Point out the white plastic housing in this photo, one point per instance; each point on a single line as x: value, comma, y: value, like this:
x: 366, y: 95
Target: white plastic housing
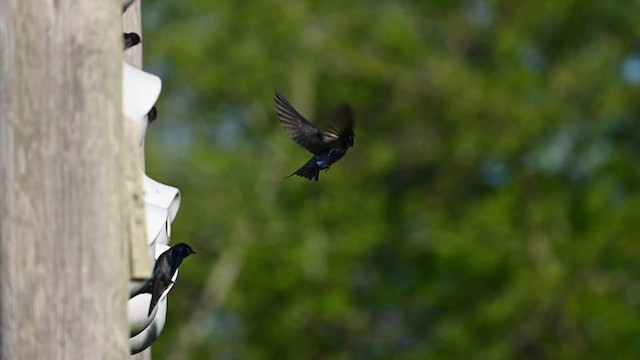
x: 161, y: 195
x: 157, y: 220
x: 150, y: 333
x: 140, y: 91
x: 161, y: 204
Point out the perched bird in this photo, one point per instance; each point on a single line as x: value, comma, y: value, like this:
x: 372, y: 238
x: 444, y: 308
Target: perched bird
x: 327, y: 147
x: 166, y: 265
x: 131, y: 39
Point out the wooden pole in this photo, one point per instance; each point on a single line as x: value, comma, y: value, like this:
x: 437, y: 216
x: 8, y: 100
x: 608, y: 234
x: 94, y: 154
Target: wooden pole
x: 63, y: 249
x: 141, y: 267
x: 132, y: 22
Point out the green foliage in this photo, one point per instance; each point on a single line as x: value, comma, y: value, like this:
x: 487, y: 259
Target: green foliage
x: 489, y: 208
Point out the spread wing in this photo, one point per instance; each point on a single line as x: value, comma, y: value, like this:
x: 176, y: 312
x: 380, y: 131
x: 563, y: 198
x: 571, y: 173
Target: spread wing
x: 302, y: 131
x: 342, y: 127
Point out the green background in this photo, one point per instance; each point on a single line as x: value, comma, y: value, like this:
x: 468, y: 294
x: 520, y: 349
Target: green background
x: 490, y: 208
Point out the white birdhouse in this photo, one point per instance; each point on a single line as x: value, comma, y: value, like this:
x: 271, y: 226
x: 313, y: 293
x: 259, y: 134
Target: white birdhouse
x: 140, y: 91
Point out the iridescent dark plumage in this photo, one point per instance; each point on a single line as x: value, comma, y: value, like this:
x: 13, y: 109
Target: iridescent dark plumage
x: 131, y: 39
x: 327, y: 147
x: 166, y: 265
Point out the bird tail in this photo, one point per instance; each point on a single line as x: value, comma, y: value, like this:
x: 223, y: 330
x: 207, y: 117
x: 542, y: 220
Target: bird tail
x: 154, y: 301
x: 156, y: 293
x: 152, y: 305
x: 307, y: 171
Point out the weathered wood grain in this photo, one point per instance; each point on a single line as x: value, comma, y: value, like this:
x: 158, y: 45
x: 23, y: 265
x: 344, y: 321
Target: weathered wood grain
x: 63, y: 247
x: 140, y: 266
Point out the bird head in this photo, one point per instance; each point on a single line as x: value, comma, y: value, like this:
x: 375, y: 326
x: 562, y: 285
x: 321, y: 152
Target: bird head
x: 183, y: 250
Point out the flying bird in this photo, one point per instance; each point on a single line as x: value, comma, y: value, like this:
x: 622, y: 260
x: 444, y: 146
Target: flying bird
x: 131, y: 39
x: 166, y: 265
x: 327, y: 147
